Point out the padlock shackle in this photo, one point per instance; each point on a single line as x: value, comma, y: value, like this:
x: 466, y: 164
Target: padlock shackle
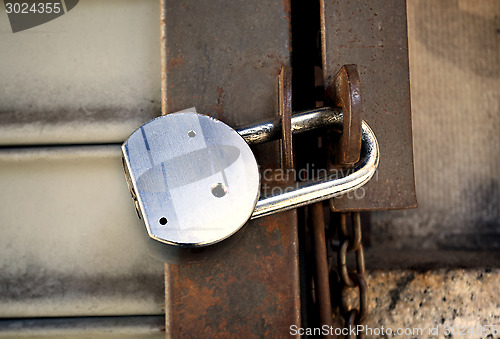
x: 301, y: 122
x: 311, y: 192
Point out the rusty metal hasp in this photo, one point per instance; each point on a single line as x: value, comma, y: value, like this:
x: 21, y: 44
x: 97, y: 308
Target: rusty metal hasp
x: 195, y: 180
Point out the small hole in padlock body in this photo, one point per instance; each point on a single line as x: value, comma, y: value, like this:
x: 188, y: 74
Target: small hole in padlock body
x: 163, y: 221
x: 219, y: 190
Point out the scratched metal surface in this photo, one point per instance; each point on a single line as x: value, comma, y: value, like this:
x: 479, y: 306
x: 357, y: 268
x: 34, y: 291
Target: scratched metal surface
x: 224, y: 58
x: 373, y: 35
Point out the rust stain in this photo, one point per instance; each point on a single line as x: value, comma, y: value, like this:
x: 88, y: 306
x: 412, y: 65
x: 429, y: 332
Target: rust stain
x: 278, y: 63
x: 287, y: 9
x: 241, y: 293
x: 178, y: 61
x: 219, y: 108
x: 190, y: 312
x: 286, y: 6
x: 273, y: 232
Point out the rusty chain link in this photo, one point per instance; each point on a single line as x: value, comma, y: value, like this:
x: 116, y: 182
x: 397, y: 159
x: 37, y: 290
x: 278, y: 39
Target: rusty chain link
x: 350, y: 279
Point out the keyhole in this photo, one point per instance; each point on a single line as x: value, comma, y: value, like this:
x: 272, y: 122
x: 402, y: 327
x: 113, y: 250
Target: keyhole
x: 191, y: 134
x: 219, y: 190
x: 163, y: 221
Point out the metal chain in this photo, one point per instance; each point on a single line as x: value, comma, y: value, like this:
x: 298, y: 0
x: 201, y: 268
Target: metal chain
x: 350, y: 279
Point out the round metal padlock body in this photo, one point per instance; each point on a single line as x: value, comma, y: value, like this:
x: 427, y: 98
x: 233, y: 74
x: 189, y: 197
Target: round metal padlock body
x: 195, y: 178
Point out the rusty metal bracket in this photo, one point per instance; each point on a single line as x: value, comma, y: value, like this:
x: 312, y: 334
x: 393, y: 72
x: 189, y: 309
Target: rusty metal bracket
x: 375, y: 39
x: 346, y: 93
x: 285, y: 116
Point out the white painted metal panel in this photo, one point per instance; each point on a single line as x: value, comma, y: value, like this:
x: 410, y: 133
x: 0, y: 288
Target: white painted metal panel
x: 89, y: 76
x: 70, y: 241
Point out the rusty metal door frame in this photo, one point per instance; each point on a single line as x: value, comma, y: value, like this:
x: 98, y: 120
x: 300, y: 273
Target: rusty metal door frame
x: 224, y: 58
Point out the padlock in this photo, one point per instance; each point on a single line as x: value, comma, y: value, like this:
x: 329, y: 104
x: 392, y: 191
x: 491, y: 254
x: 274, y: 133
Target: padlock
x: 195, y: 180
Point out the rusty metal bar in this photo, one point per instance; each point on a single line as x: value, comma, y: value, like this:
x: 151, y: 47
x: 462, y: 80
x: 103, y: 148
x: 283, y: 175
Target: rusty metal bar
x: 322, y: 281
x: 224, y: 58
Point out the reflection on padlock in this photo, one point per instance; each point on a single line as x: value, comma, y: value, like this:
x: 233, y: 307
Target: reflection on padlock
x: 195, y: 180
